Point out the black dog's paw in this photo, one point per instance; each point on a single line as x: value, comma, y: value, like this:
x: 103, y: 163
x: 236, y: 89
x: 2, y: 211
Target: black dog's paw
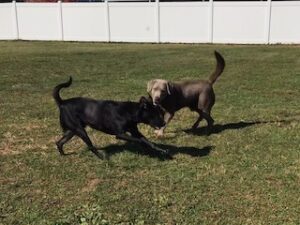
x: 102, y: 155
x: 166, y: 154
x: 59, y: 148
x: 208, y: 131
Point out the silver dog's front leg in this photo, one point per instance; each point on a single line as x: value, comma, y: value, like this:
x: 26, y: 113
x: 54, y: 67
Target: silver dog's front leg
x: 167, y: 118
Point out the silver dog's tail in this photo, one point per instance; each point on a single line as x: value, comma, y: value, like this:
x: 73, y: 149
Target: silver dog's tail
x: 56, y: 90
x: 219, y: 68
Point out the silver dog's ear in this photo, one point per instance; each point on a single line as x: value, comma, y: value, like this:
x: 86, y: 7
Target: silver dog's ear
x: 169, y: 87
x: 150, y: 85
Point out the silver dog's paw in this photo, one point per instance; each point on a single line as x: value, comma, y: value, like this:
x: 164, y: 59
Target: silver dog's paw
x: 159, y: 133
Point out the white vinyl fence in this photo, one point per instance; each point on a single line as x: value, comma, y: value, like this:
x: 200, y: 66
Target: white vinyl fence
x: 260, y: 22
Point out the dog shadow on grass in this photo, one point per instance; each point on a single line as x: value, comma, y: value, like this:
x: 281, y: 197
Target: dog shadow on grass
x: 218, y: 128
x: 173, y: 150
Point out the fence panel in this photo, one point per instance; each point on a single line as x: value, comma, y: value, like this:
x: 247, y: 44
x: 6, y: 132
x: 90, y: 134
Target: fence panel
x: 133, y: 22
x: 38, y: 21
x: 285, y: 17
x: 189, y: 22
x: 6, y: 21
x: 239, y: 22
x: 184, y: 22
x: 84, y: 22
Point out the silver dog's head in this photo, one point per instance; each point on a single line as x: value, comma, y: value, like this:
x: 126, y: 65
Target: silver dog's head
x: 158, y: 89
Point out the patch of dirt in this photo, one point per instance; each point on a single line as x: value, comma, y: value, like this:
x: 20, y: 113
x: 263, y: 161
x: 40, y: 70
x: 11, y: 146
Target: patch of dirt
x: 91, y: 185
x: 6, y: 147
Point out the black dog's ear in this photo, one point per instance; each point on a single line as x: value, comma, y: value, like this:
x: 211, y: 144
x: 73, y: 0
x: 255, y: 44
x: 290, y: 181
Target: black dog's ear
x: 143, y: 102
x: 149, y: 98
x: 143, y: 99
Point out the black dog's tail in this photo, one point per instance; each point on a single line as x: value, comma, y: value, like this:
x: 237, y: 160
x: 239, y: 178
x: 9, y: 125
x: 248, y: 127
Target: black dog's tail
x: 219, y: 68
x: 56, y: 90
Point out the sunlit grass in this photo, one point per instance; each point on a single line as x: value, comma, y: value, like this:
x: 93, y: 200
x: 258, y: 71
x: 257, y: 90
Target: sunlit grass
x: 246, y: 172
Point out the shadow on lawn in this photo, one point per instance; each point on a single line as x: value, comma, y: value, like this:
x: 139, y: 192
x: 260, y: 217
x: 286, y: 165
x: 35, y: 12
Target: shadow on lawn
x: 218, y: 128
x: 173, y: 150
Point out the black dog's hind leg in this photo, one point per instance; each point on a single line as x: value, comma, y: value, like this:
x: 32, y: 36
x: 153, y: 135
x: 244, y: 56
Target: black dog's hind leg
x: 66, y: 137
x: 83, y: 135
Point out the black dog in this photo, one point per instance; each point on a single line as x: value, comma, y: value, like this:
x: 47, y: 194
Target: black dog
x: 111, y: 117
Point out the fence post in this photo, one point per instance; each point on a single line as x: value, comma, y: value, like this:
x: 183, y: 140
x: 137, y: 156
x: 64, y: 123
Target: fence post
x: 107, y: 20
x: 211, y: 21
x: 157, y: 10
x: 15, y: 19
x: 268, y: 21
x: 60, y: 18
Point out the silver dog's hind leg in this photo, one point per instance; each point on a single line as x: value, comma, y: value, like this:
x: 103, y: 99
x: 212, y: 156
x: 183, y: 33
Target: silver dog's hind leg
x: 196, y: 124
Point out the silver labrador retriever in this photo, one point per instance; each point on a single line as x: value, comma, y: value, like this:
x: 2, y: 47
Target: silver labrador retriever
x: 198, y: 95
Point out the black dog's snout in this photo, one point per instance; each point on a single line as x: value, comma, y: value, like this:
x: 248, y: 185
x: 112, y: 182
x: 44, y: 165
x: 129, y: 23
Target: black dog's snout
x: 157, y: 100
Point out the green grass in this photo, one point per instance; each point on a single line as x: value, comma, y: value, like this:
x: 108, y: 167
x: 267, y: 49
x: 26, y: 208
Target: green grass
x: 247, y: 172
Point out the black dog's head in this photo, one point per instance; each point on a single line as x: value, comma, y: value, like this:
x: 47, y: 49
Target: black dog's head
x: 150, y: 114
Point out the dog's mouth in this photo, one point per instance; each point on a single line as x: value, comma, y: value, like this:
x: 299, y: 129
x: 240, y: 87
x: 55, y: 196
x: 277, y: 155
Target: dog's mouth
x: 157, y: 124
x: 156, y: 127
x: 156, y: 102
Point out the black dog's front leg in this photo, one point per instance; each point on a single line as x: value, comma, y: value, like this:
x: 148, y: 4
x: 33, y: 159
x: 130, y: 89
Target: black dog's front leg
x: 151, y: 145
x: 138, y: 137
x: 136, y: 133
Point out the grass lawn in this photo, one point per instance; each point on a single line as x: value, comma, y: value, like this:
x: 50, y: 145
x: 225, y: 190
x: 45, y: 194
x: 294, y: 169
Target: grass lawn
x: 246, y: 172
